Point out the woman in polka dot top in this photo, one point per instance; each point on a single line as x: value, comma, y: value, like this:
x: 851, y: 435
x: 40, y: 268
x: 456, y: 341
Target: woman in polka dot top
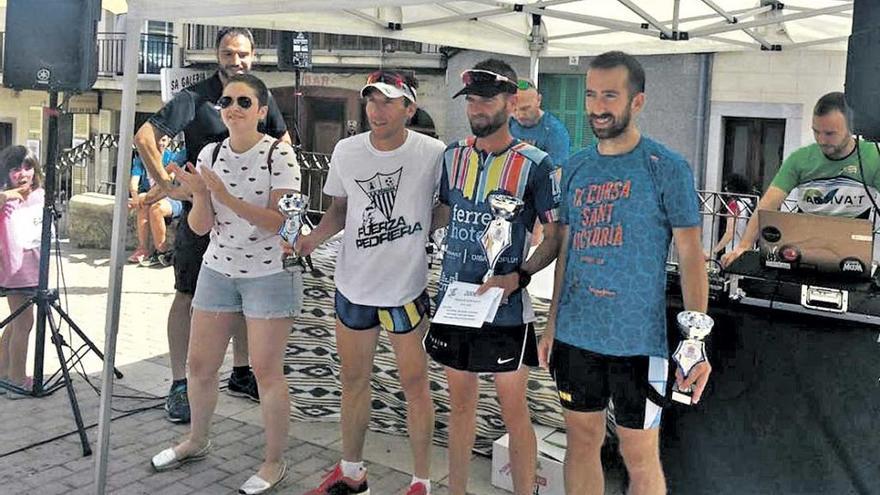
x: 235, y: 188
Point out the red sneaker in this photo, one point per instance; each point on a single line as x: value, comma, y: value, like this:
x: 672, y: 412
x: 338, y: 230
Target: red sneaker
x: 337, y: 484
x: 418, y: 488
x: 138, y: 255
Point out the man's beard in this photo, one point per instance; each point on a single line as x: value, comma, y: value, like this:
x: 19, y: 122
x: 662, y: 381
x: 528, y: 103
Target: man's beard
x: 835, y: 152
x: 231, y: 70
x: 495, y: 123
x: 615, y: 129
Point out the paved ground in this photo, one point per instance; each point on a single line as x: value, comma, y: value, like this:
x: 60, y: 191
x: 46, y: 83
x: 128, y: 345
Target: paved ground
x: 34, y: 460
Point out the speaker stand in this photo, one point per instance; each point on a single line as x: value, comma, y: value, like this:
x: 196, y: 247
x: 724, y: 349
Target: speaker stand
x: 46, y: 300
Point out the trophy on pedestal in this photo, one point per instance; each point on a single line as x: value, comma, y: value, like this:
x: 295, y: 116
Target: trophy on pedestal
x: 293, y: 206
x: 497, y: 236
x: 694, y: 327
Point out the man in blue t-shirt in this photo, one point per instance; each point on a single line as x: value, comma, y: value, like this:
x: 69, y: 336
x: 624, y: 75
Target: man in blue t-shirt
x: 151, y: 216
x: 541, y: 129
x: 623, y: 201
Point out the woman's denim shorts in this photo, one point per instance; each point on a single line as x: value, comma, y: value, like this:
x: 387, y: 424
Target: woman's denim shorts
x: 278, y: 295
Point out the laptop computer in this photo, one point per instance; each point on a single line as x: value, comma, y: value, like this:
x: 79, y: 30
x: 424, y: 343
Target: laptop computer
x: 820, y: 243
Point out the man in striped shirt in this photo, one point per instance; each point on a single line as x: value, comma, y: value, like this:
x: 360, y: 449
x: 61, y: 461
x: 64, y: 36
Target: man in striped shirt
x: 493, y: 161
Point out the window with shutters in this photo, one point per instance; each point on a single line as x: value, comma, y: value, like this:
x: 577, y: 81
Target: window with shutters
x: 563, y: 96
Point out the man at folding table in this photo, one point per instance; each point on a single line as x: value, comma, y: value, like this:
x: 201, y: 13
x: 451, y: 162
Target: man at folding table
x: 827, y: 175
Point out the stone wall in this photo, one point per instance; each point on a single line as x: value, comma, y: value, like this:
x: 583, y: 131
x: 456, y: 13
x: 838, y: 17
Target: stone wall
x: 90, y: 222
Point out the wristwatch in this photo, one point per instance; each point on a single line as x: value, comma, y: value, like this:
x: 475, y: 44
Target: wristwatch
x: 524, y: 278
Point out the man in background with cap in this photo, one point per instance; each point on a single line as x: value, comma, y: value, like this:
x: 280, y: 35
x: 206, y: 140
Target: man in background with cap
x: 492, y: 161
x: 539, y: 128
x: 383, y: 185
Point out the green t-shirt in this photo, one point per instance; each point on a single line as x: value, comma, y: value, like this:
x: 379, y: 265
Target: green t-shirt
x: 830, y: 187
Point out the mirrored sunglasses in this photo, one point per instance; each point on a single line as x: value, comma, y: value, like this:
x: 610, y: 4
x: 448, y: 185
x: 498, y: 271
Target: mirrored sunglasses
x: 243, y: 102
x: 385, y: 77
x: 479, y: 76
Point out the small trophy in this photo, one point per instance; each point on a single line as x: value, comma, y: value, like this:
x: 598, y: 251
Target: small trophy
x: 694, y: 326
x: 293, y: 206
x: 496, y: 238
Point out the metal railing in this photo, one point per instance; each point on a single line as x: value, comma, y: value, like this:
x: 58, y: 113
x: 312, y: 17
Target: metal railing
x: 200, y: 37
x: 156, y: 52
x: 77, y: 168
x: 314, y: 168
x: 77, y: 171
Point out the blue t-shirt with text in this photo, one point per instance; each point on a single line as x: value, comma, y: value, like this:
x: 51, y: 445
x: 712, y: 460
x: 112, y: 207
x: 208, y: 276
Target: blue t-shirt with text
x: 620, y: 211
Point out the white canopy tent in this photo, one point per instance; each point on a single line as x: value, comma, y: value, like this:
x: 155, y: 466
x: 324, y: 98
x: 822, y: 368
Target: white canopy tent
x: 533, y: 28
x: 564, y: 27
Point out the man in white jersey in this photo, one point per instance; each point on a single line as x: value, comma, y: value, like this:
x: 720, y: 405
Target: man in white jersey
x: 383, y: 185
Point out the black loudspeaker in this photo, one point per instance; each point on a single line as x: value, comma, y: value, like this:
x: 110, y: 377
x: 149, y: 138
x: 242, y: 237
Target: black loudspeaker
x: 863, y: 69
x: 51, y: 45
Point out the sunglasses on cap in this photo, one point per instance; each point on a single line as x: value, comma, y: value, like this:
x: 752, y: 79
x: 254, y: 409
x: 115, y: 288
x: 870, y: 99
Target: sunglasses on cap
x: 524, y: 84
x: 481, y: 77
x: 244, y: 102
x: 395, y: 80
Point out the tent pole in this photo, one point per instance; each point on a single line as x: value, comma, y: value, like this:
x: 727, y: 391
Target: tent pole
x: 704, y: 103
x: 537, y: 41
x: 534, y: 61
x: 117, y: 253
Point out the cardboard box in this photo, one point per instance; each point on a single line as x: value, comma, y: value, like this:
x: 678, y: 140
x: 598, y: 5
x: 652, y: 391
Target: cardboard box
x: 551, y: 455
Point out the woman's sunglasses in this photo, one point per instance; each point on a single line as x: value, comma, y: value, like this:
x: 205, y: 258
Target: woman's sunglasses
x: 243, y: 102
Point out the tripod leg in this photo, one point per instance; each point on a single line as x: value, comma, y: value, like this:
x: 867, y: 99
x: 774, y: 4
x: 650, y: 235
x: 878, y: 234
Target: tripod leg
x: 74, y: 405
x: 64, y: 316
x: 21, y: 309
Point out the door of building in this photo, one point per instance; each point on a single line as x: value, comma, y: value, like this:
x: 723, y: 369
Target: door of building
x: 5, y: 135
x: 326, y: 117
x: 753, y: 148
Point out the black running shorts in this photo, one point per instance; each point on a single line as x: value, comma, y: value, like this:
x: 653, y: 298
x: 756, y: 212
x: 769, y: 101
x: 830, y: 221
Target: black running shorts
x: 489, y: 349
x: 636, y: 385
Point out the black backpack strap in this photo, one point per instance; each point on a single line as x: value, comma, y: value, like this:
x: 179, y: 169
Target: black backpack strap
x: 215, y: 153
x: 269, y: 156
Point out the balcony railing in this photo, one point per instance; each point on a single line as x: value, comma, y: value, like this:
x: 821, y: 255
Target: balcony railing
x: 200, y: 37
x: 156, y: 52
